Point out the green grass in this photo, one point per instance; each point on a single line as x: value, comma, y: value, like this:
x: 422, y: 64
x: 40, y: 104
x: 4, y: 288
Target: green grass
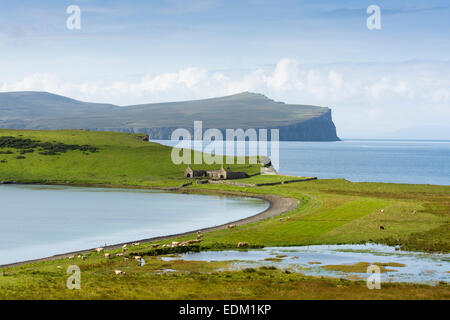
x: 191, y: 280
x: 122, y: 159
x: 268, y: 179
x: 416, y: 217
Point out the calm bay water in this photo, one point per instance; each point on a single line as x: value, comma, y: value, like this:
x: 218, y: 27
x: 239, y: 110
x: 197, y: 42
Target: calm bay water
x: 402, y: 161
x: 40, y: 221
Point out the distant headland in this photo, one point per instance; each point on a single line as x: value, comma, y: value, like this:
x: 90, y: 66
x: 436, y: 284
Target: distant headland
x: 46, y: 111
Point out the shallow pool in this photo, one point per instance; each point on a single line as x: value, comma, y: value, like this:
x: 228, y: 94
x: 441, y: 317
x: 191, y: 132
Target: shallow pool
x: 310, y: 260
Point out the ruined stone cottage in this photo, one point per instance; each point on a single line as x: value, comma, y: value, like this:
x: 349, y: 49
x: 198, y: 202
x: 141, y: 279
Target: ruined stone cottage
x: 221, y: 174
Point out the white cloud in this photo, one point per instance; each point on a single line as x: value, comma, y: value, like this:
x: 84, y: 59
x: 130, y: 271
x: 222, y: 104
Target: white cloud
x: 374, y: 97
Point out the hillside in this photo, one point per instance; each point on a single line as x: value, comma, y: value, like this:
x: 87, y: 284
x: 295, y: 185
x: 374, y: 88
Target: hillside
x: 38, y: 110
x: 84, y: 157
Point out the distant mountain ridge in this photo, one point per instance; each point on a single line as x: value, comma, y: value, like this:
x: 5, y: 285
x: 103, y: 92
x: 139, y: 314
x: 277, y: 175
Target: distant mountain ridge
x: 42, y: 110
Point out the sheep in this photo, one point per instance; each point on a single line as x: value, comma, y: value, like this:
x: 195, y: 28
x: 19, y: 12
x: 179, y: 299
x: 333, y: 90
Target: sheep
x: 136, y: 244
x: 119, y: 272
x: 381, y: 227
x: 242, y: 244
x: 231, y: 226
x: 155, y: 246
x: 106, y: 255
x: 83, y: 258
x: 100, y: 249
x: 71, y: 257
x: 137, y: 258
x: 124, y: 250
x: 124, y: 246
x: 175, y: 244
x: 382, y: 210
x: 119, y: 254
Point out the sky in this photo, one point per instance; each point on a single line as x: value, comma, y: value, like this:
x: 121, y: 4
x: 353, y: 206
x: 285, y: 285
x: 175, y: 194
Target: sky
x: 392, y: 82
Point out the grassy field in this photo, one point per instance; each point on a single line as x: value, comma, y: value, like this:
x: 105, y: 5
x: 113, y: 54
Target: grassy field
x: 416, y: 217
x: 122, y: 159
x: 190, y: 280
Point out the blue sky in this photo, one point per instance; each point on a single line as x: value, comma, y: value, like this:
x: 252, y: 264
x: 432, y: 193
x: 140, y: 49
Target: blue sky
x: 378, y: 82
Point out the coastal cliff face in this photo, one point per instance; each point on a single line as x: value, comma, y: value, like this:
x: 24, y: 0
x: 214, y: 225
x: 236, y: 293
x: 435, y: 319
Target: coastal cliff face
x: 320, y: 128
x: 44, y: 111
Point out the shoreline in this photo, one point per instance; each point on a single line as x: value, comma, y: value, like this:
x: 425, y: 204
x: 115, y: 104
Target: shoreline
x: 278, y: 205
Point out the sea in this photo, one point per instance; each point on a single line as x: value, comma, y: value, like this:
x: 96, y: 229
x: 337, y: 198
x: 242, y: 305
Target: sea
x: 397, y: 161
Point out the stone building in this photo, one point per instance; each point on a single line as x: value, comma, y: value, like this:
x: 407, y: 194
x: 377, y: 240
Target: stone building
x: 189, y: 173
x: 221, y: 174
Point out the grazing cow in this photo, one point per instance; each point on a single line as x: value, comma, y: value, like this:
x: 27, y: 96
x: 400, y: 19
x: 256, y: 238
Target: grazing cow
x: 381, y: 227
x: 242, y: 245
x: 99, y: 249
